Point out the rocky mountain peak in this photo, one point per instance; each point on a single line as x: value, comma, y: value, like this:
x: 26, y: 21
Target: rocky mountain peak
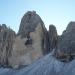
x: 66, y: 45
x: 6, y: 41
x: 52, y: 37
x: 29, y: 22
x: 71, y: 26
x: 3, y: 27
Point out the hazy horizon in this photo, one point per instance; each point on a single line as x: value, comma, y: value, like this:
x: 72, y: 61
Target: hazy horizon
x: 58, y: 13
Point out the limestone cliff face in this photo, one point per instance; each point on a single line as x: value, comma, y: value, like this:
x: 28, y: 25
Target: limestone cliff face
x: 29, y: 22
x: 6, y: 41
x: 66, y: 45
x: 53, y: 37
x: 31, y: 41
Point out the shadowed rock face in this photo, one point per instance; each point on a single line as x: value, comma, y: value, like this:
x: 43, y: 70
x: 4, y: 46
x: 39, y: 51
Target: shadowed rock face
x: 31, y: 42
x: 6, y: 41
x: 52, y: 37
x: 66, y: 45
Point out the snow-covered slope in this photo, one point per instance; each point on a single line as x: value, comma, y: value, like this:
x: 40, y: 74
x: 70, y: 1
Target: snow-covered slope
x: 48, y: 65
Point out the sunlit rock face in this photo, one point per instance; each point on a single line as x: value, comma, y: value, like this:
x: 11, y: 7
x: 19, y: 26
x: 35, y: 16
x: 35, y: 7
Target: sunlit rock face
x: 7, y: 37
x: 29, y: 22
x: 66, y: 45
x: 31, y: 41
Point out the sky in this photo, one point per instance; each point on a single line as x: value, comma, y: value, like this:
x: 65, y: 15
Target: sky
x: 56, y: 12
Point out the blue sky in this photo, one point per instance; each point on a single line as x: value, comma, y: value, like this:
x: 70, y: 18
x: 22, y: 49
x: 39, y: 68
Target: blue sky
x: 57, y: 12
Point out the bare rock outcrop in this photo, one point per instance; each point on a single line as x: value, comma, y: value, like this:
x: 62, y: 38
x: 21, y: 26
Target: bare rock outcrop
x: 6, y: 40
x: 31, y: 42
x: 66, y: 45
x: 53, y: 37
x: 29, y: 22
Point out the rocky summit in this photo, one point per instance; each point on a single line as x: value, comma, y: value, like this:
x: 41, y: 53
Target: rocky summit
x: 34, y: 50
x: 31, y: 42
x: 66, y: 45
x: 7, y: 36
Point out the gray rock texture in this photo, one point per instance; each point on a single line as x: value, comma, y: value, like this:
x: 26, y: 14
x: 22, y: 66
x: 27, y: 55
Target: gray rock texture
x: 29, y: 22
x: 66, y: 45
x: 6, y: 41
x: 53, y: 37
x: 31, y: 43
